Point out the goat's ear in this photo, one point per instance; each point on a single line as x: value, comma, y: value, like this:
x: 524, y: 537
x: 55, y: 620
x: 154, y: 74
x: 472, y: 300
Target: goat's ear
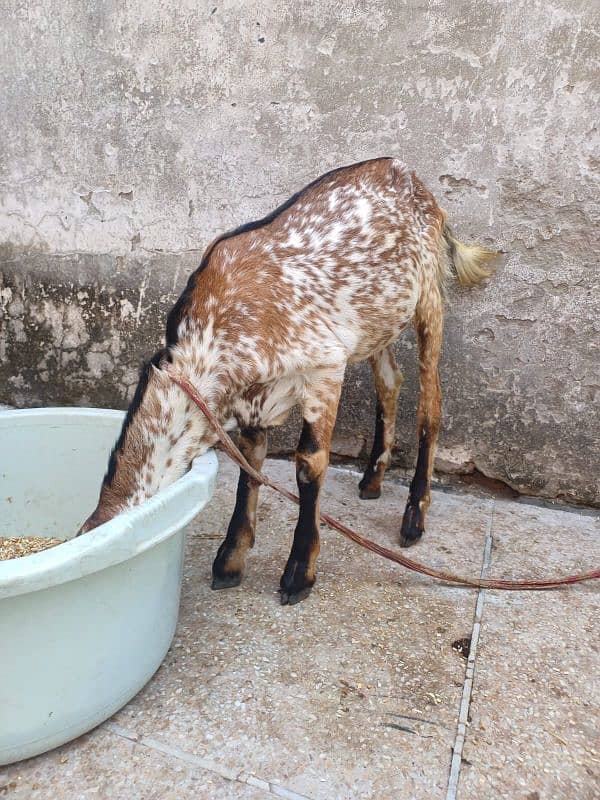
x: 160, y: 372
x: 160, y: 366
x: 161, y: 359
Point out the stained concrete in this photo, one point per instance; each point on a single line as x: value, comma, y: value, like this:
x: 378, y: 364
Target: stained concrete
x: 535, y: 700
x: 356, y: 692
x: 132, y: 134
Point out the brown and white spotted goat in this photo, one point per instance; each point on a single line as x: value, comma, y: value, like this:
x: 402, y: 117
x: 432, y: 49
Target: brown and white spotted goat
x: 269, y: 320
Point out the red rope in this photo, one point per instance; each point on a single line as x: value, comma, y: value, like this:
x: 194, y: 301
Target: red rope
x: 368, y: 544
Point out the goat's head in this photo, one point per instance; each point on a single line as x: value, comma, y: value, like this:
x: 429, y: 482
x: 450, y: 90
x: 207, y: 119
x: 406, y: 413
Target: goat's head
x: 161, y: 434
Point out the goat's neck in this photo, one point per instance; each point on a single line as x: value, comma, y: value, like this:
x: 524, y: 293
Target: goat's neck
x: 162, y: 433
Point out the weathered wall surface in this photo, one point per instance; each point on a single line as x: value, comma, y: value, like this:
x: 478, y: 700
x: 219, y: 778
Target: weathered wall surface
x: 133, y: 133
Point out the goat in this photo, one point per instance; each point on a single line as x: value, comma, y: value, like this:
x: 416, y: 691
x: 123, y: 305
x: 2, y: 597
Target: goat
x: 269, y: 320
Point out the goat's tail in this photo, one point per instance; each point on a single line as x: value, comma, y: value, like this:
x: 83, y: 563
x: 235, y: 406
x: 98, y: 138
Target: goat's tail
x: 468, y: 263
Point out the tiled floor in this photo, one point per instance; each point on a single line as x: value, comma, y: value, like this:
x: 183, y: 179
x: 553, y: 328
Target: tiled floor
x: 357, y: 692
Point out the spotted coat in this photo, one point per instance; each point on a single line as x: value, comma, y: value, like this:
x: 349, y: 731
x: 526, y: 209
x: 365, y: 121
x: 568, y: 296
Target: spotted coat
x: 270, y: 319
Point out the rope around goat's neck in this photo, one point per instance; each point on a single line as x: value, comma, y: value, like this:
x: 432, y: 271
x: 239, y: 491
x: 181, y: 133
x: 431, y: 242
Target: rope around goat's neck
x: 475, y: 583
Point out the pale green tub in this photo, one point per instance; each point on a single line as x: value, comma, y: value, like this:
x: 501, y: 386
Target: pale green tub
x: 83, y: 626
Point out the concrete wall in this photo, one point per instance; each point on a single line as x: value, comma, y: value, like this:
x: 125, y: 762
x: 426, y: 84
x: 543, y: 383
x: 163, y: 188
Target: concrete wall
x: 133, y: 133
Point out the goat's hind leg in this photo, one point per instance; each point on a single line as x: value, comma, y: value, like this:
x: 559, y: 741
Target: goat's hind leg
x: 388, y: 382
x: 429, y: 335
x: 229, y: 564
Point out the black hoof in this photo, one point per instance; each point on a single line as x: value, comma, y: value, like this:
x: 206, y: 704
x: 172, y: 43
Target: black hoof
x: 223, y: 577
x: 366, y: 489
x: 226, y: 581
x: 412, y: 526
x: 291, y: 599
x: 295, y: 585
x: 368, y: 493
x: 408, y: 541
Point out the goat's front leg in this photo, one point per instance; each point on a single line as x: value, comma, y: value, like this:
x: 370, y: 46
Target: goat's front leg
x: 228, y: 566
x: 429, y: 335
x: 312, y: 458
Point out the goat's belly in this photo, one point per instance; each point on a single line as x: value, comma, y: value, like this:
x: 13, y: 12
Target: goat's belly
x: 366, y: 319
x: 371, y: 345
x: 371, y: 332
x: 268, y: 404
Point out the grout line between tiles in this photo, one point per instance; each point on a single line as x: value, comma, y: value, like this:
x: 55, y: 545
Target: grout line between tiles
x: 205, y: 763
x: 463, y: 717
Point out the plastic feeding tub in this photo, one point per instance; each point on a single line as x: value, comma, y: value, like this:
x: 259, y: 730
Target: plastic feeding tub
x: 84, y: 625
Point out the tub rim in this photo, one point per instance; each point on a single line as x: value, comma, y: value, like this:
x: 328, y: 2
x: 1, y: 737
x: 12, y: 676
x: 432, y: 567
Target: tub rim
x: 121, y: 538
